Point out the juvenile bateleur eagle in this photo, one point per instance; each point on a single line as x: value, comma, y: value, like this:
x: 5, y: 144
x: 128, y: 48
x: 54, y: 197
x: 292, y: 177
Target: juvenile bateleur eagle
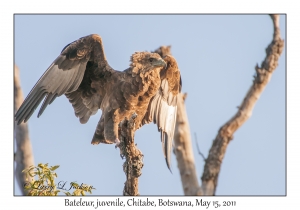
x: 149, y: 88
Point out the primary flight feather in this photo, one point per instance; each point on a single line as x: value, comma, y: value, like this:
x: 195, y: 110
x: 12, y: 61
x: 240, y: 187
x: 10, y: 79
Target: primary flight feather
x: 149, y: 88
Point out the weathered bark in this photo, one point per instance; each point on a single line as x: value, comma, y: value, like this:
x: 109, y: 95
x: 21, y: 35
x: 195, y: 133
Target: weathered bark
x: 184, y: 151
x: 134, y: 158
x: 23, y: 154
x: 225, y: 134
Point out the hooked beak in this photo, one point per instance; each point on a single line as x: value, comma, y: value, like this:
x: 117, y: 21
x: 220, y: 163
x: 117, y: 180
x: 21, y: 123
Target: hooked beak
x: 160, y: 62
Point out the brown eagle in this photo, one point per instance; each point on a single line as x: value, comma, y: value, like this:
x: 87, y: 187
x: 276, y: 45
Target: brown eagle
x: 149, y: 88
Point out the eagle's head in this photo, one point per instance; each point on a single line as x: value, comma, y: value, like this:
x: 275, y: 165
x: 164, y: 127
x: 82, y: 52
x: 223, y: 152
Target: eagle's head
x: 146, y: 61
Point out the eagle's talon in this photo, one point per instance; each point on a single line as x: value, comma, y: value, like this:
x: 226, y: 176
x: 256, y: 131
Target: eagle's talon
x: 117, y: 142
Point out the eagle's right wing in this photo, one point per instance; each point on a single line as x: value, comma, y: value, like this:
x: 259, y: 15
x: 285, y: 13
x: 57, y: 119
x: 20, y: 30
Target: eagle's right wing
x: 69, y: 74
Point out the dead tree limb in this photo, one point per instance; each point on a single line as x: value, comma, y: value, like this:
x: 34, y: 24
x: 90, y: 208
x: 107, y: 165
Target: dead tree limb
x: 134, y: 158
x: 184, y: 151
x: 23, y: 155
x: 225, y: 134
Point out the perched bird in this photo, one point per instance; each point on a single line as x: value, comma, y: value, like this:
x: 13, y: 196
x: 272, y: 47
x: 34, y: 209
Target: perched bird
x: 149, y: 88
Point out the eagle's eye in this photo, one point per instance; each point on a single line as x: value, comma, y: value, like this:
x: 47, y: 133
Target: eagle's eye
x: 151, y: 59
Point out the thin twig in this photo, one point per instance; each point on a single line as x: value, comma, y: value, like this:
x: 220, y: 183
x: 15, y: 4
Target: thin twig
x: 198, y: 149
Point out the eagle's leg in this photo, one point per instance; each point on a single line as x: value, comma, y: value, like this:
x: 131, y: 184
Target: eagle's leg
x: 117, y: 142
x: 99, y: 133
x: 111, y: 123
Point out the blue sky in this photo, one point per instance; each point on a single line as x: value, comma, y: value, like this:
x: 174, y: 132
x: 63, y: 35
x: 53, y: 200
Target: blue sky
x: 216, y: 55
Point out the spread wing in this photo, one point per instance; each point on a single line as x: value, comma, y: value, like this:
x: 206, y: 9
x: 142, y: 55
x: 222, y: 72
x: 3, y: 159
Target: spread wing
x: 71, y: 74
x: 162, y: 108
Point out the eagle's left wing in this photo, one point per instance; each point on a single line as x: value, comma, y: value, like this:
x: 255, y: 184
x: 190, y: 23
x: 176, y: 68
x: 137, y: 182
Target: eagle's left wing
x: 162, y: 108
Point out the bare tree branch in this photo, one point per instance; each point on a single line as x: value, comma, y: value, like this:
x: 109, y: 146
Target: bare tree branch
x: 225, y: 134
x: 184, y: 151
x: 134, y: 158
x: 23, y: 155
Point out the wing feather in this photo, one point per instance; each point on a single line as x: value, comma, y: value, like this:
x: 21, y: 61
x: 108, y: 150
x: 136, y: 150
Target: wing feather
x: 53, y: 82
x: 164, y: 115
x: 34, y: 106
x: 50, y: 97
x: 65, y: 75
x: 24, y: 111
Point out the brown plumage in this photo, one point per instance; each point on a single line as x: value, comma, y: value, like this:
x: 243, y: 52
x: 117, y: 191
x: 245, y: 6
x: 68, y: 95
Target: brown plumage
x: 149, y: 88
